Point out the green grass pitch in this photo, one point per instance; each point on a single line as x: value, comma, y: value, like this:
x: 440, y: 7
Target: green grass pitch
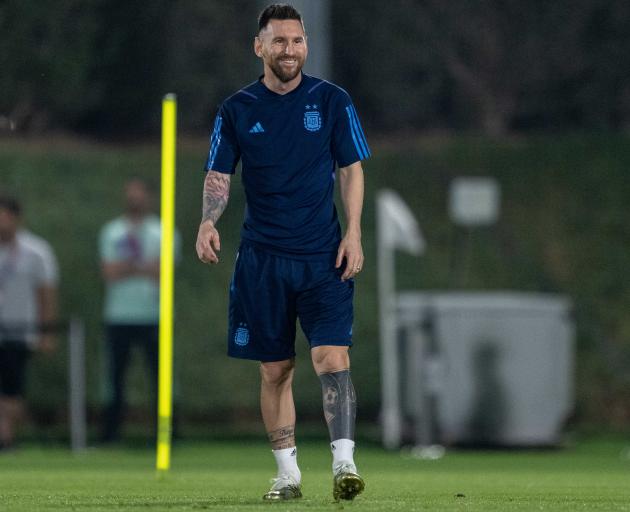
x: 232, y: 476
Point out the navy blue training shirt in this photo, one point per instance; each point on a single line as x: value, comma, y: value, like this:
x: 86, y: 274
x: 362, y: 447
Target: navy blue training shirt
x: 289, y: 145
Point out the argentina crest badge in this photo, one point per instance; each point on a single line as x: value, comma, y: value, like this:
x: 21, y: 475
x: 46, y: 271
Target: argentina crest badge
x: 241, y: 336
x: 312, y: 118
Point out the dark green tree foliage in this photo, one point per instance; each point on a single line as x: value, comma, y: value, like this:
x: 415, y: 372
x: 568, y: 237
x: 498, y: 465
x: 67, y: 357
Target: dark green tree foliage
x: 198, y: 49
x: 387, y: 62
x: 101, y: 66
x: 210, y: 56
x: 491, y: 66
x: 604, y: 91
x: 126, y: 68
x: 45, y: 57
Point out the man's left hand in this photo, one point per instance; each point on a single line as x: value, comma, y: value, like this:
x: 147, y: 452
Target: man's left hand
x: 351, y: 250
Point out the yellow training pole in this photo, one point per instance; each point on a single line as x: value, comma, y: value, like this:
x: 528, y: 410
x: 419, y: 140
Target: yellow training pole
x: 165, y: 387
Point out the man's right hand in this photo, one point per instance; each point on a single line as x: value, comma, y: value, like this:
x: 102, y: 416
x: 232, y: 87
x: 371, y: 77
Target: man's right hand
x: 208, y: 242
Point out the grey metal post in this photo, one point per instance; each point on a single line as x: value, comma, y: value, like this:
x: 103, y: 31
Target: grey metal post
x: 416, y: 352
x: 391, y: 412
x: 396, y: 229
x: 76, y: 383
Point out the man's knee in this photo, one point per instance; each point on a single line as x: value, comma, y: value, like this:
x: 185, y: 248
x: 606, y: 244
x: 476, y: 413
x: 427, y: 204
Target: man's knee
x: 277, y: 373
x: 330, y: 358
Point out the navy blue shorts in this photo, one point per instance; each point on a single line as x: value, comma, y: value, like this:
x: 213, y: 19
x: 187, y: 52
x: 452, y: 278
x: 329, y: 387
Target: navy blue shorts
x: 268, y: 293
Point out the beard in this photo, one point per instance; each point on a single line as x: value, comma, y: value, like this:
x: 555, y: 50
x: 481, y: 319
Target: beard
x: 282, y: 74
x: 134, y: 209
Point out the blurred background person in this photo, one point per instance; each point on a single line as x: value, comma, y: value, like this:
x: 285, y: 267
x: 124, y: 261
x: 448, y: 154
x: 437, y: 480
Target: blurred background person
x: 28, y: 310
x: 130, y: 266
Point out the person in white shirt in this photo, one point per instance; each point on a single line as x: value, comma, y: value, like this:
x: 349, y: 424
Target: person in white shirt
x: 28, y: 310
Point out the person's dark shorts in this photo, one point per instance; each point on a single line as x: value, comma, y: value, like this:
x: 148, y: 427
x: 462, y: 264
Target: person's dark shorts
x: 268, y: 293
x: 13, y: 358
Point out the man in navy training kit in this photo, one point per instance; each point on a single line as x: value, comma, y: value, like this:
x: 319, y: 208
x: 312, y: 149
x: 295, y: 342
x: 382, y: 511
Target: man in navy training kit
x: 290, y: 130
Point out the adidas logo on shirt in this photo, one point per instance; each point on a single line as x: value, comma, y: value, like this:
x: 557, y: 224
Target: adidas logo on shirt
x: 257, y: 128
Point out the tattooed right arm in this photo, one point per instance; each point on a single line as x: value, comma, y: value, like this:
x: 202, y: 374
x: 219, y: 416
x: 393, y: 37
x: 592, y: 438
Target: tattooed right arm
x: 216, y: 191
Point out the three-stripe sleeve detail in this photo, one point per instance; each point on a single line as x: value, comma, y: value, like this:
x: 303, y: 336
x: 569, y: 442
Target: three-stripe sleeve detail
x: 362, y: 135
x: 215, y: 141
x: 358, y: 136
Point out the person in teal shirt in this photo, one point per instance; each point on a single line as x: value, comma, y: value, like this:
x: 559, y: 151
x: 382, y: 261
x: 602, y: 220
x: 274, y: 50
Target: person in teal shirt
x: 130, y: 265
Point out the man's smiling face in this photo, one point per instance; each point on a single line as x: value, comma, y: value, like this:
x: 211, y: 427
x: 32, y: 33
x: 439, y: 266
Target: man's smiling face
x: 282, y: 47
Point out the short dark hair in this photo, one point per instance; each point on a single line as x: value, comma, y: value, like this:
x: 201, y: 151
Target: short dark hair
x: 11, y: 204
x: 278, y: 12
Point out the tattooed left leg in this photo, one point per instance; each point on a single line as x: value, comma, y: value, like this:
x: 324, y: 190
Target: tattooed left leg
x: 332, y: 365
x: 340, y: 404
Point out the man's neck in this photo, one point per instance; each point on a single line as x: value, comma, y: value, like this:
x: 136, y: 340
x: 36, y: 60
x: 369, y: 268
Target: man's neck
x: 274, y: 84
x: 135, y: 218
x: 8, y: 239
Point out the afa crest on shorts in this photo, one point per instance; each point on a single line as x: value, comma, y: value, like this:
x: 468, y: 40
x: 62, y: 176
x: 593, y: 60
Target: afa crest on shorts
x: 241, y: 336
x: 312, y: 118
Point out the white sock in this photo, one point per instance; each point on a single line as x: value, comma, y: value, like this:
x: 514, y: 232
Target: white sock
x: 343, y: 451
x: 286, y: 459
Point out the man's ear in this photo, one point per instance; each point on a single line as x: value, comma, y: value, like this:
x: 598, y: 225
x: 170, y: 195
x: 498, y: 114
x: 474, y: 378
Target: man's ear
x: 258, y: 46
